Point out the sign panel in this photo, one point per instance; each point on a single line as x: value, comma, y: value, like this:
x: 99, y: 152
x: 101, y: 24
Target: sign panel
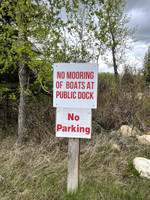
x: 75, y: 85
x: 73, y: 122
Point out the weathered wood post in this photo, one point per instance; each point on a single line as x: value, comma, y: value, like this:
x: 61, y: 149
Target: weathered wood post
x: 73, y: 164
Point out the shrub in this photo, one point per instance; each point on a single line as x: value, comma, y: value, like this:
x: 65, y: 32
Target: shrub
x: 129, y: 105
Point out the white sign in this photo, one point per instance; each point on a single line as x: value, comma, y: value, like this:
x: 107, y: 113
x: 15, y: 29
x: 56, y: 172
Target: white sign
x: 75, y: 85
x: 73, y: 122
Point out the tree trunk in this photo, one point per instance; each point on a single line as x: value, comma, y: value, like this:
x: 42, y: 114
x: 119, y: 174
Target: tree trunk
x: 22, y: 115
x: 115, y: 69
x: 113, y: 54
x: 23, y: 74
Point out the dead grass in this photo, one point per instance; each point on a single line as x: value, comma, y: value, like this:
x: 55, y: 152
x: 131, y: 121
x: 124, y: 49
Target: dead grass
x: 34, y: 170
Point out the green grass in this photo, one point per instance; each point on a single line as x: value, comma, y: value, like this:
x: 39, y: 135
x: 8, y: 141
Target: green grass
x: 34, y: 171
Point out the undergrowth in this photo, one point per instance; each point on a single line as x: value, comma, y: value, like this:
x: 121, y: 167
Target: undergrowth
x: 38, y: 171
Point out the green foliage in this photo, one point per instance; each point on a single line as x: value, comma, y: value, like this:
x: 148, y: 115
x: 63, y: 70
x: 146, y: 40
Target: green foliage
x: 112, y: 31
x: 105, y: 80
x: 130, y: 172
x: 58, y: 31
x: 147, y: 66
x: 8, y: 35
x: 38, y: 24
x: 33, y: 32
x: 80, y: 38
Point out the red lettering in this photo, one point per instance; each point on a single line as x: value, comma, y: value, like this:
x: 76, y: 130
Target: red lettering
x: 59, y: 126
x: 71, y: 85
x: 77, y: 118
x: 75, y: 85
x: 69, y: 75
x: 81, y: 129
x: 79, y: 95
x: 65, y: 95
x: 64, y: 129
x: 69, y: 128
x: 87, y: 129
x: 80, y: 75
x: 83, y: 85
x: 70, y: 116
x: 73, y: 129
x: 88, y: 86
x: 92, y: 75
x: 85, y: 95
x: 77, y: 75
x: 73, y: 75
x: 57, y: 94
x: 67, y: 85
x: 88, y: 75
x: 92, y: 84
x: 91, y: 95
x: 61, y: 75
x: 74, y: 95
x: 59, y: 84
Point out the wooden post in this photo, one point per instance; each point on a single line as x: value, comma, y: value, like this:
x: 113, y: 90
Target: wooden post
x: 73, y: 165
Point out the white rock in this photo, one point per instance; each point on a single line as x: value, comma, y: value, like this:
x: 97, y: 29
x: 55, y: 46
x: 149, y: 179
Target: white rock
x: 142, y: 165
x: 144, y: 139
x: 127, y: 131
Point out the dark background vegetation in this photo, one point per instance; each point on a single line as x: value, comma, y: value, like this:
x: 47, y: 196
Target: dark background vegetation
x: 130, y: 106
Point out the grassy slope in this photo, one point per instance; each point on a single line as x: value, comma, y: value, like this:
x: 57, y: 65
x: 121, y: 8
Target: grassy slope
x: 34, y: 171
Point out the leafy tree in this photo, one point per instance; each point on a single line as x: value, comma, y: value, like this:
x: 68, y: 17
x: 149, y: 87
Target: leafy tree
x: 6, y: 20
x: 147, y: 66
x: 33, y: 22
x: 113, y: 32
x: 32, y: 40
x: 80, y: 38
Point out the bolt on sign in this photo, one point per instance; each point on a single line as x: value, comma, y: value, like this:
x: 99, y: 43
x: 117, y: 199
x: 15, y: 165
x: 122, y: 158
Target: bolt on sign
x: 75, y: 85
x: 73, y: 122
